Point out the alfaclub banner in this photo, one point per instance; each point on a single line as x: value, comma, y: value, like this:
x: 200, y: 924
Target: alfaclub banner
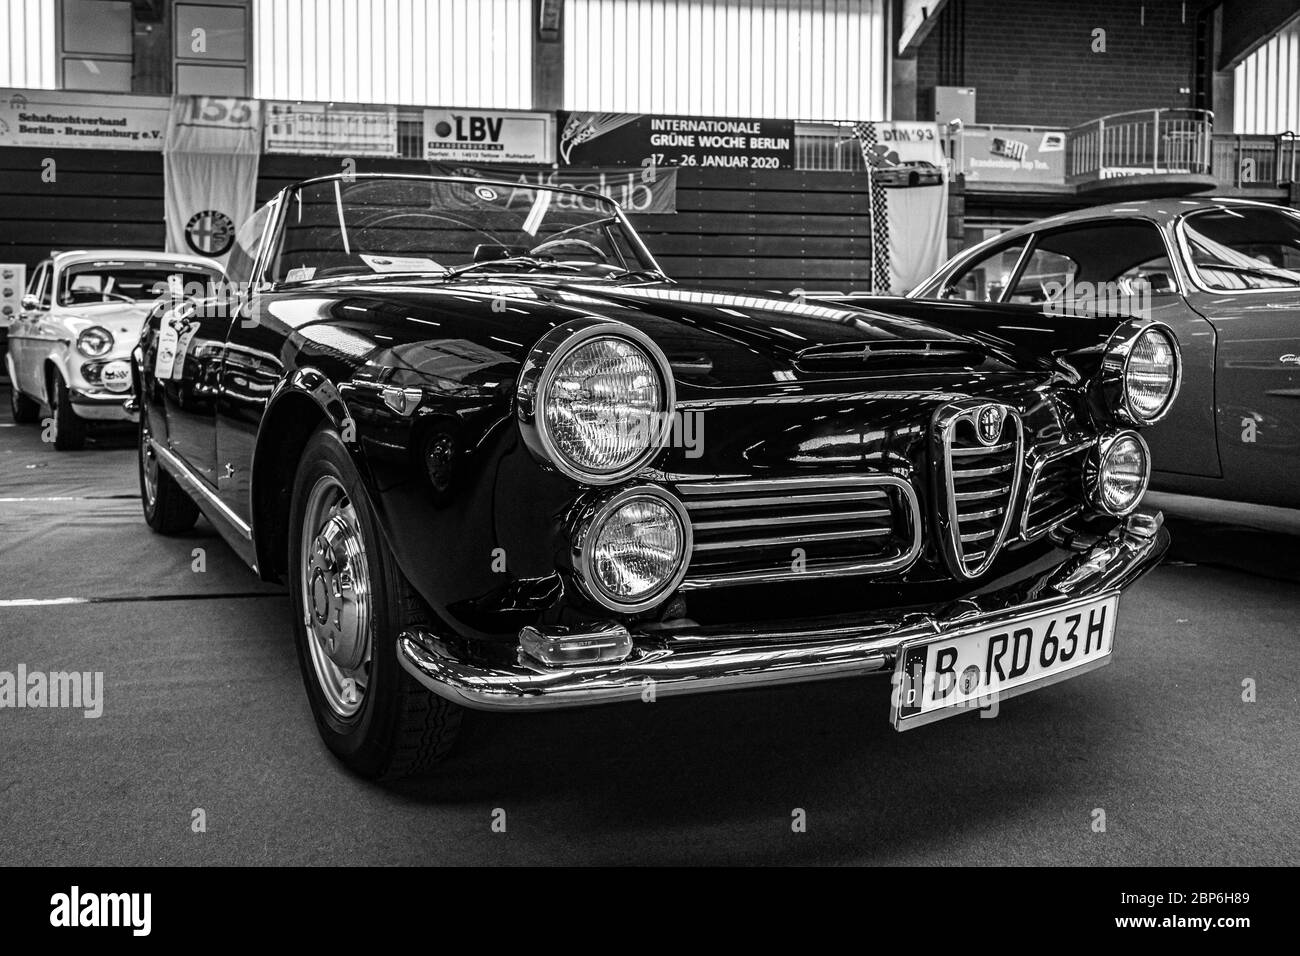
x: 210, y: 172
x: 686, y: 142
x: 637, y: 191
x: 56, y: 120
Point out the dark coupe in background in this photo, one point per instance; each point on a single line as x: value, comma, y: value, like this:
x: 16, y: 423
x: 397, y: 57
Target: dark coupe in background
x: 501, y: 461
x: 1224, y: 275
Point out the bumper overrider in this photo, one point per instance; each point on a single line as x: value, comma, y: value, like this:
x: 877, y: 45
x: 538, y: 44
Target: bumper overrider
x: 698, y: 659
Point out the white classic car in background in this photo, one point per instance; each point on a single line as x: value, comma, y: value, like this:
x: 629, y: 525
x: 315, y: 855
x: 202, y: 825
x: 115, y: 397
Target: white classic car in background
x: 70, y: 346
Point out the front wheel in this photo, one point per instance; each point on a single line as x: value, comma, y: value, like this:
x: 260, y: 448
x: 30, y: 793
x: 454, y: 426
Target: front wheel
x: 350, y: 601
x: 69, y: 427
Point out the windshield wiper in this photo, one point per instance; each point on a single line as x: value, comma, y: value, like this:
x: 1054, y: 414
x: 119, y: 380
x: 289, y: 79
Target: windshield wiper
x: 647, y: 275
x: 528, y: 261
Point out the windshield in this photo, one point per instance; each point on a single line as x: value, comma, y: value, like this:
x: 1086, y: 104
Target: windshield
x: 386, y: 226
x: 1245, y: 248
x: 92, y: 283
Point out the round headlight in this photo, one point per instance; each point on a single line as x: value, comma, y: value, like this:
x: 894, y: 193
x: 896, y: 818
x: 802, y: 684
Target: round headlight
x: 631, y: 551
x: 95, y: 341
x: 1141, y: 372
x: 1151, y: 374
x: 1121, y: 470
x: 595, y: 400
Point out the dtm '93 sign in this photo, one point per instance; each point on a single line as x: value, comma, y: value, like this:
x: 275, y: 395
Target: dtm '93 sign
x: 689, y: 142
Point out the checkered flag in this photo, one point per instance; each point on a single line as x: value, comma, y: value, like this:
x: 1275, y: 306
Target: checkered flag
x: 880, y: 282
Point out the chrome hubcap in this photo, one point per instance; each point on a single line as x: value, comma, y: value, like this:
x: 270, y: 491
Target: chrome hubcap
x: 335, y: 583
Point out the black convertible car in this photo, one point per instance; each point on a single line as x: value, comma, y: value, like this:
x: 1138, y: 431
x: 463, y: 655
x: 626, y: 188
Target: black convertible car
x: 502, y: 461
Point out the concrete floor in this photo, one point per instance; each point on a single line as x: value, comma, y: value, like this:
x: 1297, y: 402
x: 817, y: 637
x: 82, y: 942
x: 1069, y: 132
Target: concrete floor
x: 204, y: 708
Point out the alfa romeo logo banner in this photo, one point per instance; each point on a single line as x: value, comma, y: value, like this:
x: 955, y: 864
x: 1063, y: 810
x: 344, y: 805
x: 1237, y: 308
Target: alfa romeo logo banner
x: 909, y: 202
x: 210, y: 164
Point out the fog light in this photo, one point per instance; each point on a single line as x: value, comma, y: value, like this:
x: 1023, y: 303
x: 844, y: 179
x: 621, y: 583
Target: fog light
x: 630, y: 550
x: 1118, y: 473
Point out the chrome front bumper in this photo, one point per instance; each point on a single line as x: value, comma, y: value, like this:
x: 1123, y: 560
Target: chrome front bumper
x: 101, y: 405
x: 698, y: 659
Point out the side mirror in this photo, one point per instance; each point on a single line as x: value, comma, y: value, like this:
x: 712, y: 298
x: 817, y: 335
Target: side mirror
x: 30, y: 303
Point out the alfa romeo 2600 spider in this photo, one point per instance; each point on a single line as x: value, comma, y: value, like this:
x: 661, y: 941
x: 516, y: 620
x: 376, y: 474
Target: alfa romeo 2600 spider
x: 502, y: 461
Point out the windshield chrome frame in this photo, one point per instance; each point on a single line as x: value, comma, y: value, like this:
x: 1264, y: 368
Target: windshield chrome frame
x: 271, y: 235
x: 1185, y: 251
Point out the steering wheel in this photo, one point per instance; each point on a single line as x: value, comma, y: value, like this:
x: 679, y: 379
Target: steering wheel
x: 583, y: 244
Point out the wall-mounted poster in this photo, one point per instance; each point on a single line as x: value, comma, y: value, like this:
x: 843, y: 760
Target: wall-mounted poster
x: 489, y: 136
x: 13, y: 281
x: 53, y: 120
x: 688, y: 142
x: 329, y: 130
x: 1009, y: 154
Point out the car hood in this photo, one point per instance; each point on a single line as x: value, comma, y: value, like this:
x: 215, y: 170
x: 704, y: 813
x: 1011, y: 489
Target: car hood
x: 714, y: 339
x: 122, y: 319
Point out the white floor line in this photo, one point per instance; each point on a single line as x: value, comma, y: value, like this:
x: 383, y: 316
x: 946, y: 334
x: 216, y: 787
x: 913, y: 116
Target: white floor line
x: 42, y: 602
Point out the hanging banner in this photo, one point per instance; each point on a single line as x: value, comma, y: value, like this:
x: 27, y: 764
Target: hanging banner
x: 210, y: 167
x: 636, y: 191
x: 634, y: 139
x: 909, y: 202
x: 489, y: 136
x: 55, y: 120
x: 323, y: 129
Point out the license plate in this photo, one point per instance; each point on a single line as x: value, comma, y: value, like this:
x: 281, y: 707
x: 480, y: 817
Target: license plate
x: 938, y: 677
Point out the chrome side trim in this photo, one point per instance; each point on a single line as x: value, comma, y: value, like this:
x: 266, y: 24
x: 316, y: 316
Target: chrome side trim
x: 864, y: 485
x: 696, y: 660
x: 198, y: 489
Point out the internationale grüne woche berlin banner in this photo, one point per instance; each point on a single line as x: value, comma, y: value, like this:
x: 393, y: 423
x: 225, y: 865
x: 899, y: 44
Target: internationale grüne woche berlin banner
x: 909, y: 202
x: 210, y: 163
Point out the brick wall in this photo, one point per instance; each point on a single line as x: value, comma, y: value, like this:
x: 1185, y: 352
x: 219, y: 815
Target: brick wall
x: 1031, y: 61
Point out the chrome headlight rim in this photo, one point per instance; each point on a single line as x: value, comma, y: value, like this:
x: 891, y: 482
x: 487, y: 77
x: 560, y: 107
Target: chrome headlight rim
x: 108, y: 339
x: 1095, y: 472
x: 539, y: 370
x: 588, y: 521
x: 1114, y: 372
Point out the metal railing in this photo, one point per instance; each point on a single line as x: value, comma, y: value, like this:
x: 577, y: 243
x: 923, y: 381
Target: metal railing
x: 1244, y: 160
x: 1140, y: 143
x: 827, y: 147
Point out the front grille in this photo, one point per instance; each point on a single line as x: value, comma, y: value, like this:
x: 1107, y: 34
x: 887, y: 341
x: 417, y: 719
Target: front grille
x: 748, y: 530
x: 1055, y: 492
x: 976, y: 484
